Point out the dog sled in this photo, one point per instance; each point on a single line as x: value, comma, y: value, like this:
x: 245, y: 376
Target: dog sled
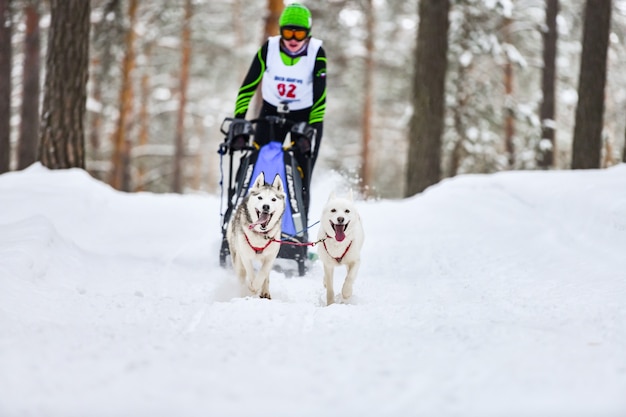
x: 273, y: 158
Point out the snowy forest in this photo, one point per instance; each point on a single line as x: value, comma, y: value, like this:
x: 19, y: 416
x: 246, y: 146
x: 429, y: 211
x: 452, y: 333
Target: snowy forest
x: 161, y: 75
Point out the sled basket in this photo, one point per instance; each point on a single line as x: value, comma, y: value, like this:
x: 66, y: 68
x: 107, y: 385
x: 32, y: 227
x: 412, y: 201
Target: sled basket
x: 272, y: 160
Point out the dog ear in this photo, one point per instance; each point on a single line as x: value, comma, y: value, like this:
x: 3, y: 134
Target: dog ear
x: 350, y: 195
x: 278, y: 183
x: 331, y: 196
x: 260, y: 180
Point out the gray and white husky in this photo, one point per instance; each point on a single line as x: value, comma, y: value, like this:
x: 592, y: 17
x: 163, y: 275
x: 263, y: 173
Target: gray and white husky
x: 254, y: 233
x: 342, y: 236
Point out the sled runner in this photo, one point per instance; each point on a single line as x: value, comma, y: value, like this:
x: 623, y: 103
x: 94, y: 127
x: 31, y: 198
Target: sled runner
x: 272, y: 158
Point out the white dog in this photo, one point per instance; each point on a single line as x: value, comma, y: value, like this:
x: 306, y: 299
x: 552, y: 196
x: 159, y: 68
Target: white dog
x: 341, y: 234
x: 254, y: 233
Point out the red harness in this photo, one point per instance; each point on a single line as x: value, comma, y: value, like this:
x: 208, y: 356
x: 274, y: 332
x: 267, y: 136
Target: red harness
x: 256, y: 249
x: 339, y: 258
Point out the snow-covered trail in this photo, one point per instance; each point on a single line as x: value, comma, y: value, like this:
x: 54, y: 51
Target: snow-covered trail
x: 484, y: 296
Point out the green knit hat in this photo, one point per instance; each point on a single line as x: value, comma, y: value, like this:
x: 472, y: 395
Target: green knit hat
x: 296, y: 15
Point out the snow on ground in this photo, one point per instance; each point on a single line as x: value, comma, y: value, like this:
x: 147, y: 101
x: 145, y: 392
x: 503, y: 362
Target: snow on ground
x: 487, y: 295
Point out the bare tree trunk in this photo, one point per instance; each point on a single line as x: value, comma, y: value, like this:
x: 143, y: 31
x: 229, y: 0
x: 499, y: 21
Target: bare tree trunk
x: 424, y: 155
x: 366, y: 163
x: 6, y: 55
x: 179, y: 141
x: 608, y: 153
x: 590, y: 109
x: 121, y: 146
x: 29, y: 122
x: 274, y: 9
x: 62, y: 143
x: 545, y: 157
x: 509, y: 118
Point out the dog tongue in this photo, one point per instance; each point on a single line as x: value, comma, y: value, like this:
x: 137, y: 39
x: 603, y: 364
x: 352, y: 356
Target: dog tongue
x: 263, y: 219
x: 339, y: 232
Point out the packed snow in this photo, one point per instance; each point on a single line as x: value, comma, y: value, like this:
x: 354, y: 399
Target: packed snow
x: 486, y: 295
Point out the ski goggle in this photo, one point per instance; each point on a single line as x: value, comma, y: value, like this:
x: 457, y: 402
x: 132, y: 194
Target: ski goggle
x: 298, y: 34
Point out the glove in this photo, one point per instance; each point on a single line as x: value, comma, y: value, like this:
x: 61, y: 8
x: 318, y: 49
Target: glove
x: 303, y: 134
x: 238, y: 143
x: 303, y: 144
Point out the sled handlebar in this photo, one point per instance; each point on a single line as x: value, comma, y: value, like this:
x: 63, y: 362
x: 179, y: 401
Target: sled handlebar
x: 237, y: 134
x: 279, y: 120
x: 238, y: 131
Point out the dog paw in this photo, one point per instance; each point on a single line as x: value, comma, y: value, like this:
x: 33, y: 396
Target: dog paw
x: 330, y: 299
x: 252, y: 288
x: 346, y: 291
x: 265, y: 294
